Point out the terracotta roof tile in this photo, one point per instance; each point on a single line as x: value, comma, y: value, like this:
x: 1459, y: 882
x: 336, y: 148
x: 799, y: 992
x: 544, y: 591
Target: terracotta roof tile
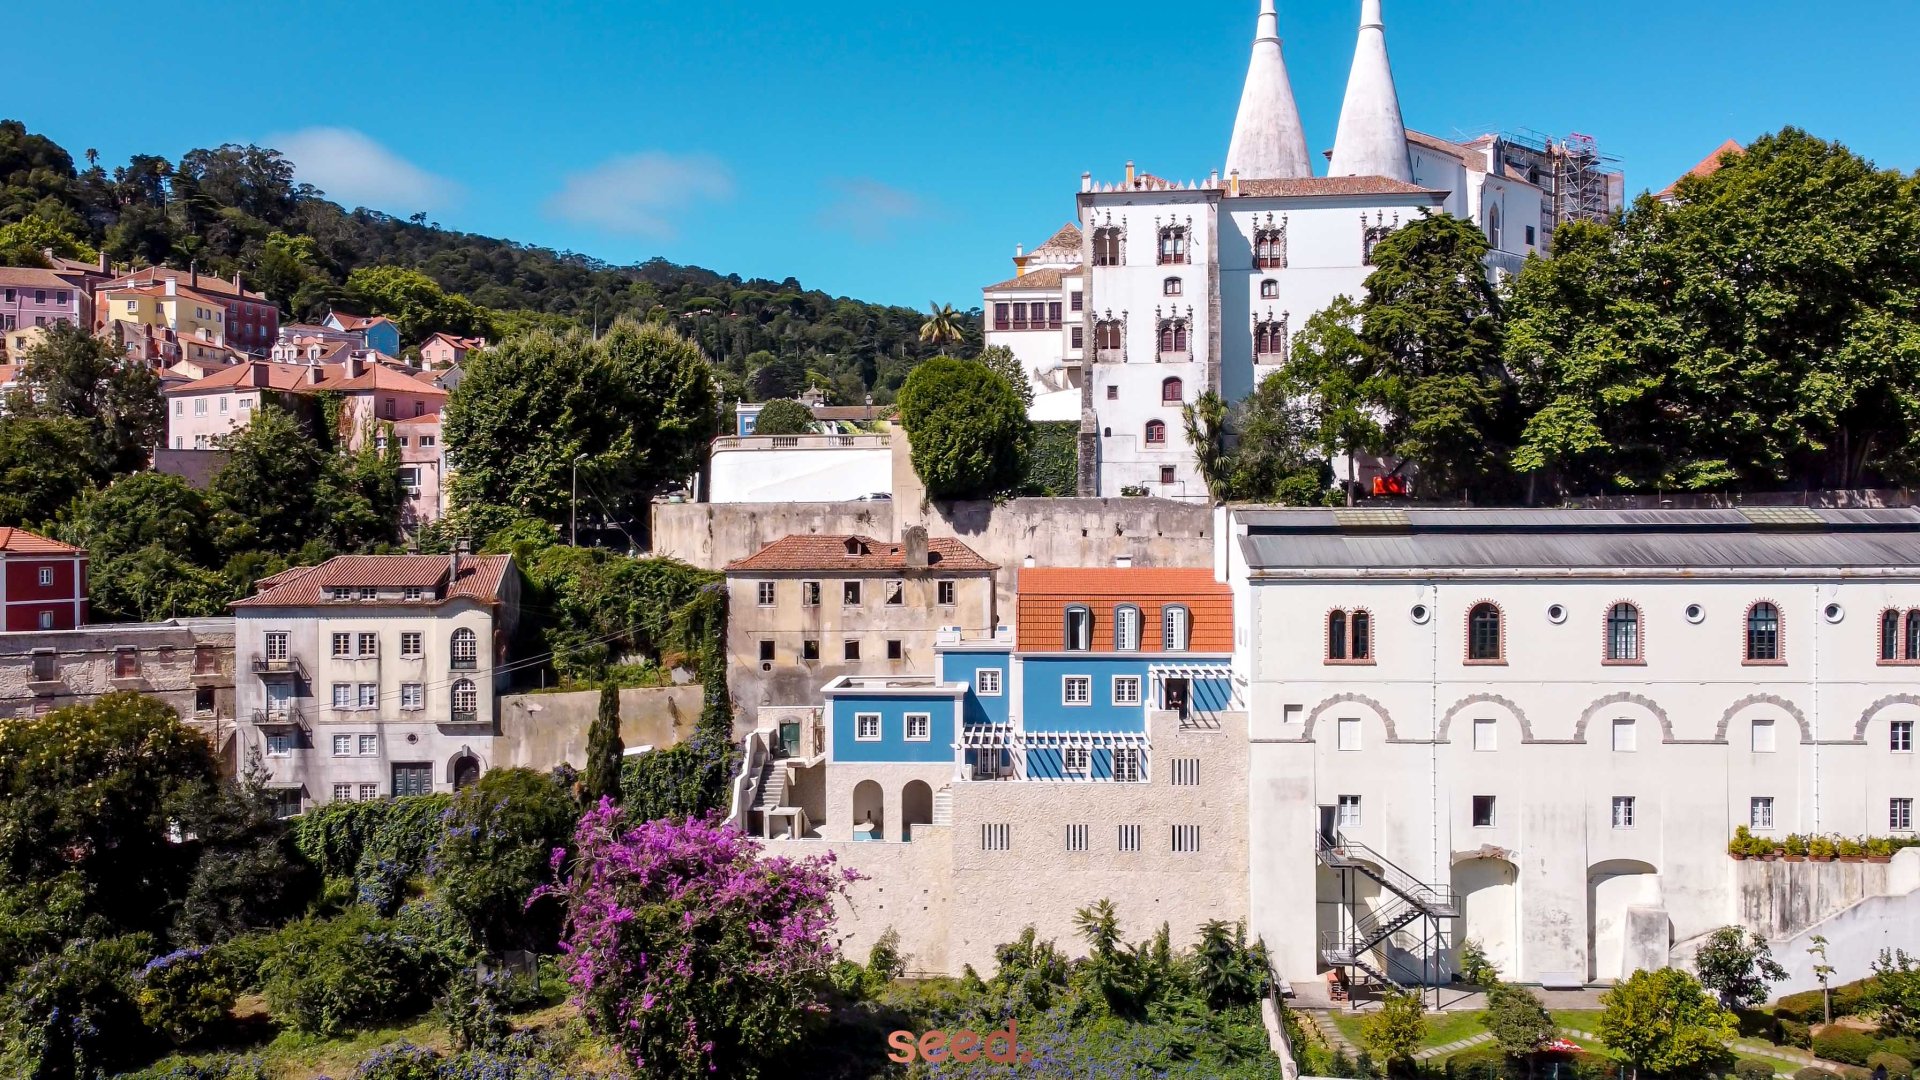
x: 21, y: 542
x: 1707, y: 167
x: 479, y: 578
x: 207, y: 282
x: 240, y: 376
x: 378, y: 377
x: 1067, y: 239
x: 34, y: 277
x: 864, y: 553
x: 1045, y: 593
x: 1332, y: 185
x: 1048, y: 278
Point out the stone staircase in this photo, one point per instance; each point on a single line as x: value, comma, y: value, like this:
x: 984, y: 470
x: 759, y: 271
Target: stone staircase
x: 943, y: 807
x: 773, y: 786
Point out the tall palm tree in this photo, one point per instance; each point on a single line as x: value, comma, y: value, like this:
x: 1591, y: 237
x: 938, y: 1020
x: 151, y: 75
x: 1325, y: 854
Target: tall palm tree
x: 942, y: 327
x: 93, y: 156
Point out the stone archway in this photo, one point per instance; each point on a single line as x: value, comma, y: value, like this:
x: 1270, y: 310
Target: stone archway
x: 916, y: 807
x: 869, y: 808
x: 1613, y: 887
x: 1489, y: 911
x: 464, y: 770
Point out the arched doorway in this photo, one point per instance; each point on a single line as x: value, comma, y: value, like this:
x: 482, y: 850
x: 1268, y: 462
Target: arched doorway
x: 1612, y: 888
x: 466, y: 771
x: 1489, y: 911
x: 916, y: 807
x: 869, y: 811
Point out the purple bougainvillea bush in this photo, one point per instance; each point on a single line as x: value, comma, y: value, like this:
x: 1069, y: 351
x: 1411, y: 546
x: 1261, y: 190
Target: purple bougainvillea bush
x: 687, y: 949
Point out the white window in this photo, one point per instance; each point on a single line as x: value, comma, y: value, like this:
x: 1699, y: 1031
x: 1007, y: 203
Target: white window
x: 343, y: 644
x: 342, y: 746
x: 766, y: 594
x: 1126, y: 629
x: 369, y: 695
x: 341, y: 592
x: 276, y: 645
x: 1347, y: 733
x: 1760, y: 812
x: 996, y: 837
x: 1076, y: 838
x: 368, y: 592
x: 1075, y: 760
x: 411, y: 696
x: 986, y: 682
x: 1186, y: 839
x: 46, y: 575
x: 1349, y: 812
x: 866, y: 726
x: 1126, y: 689
x: 46, y: 620
x: 412, y: 592
x: 368, y: 645
x: 466, y: 699
x: 410, y: 645
x: 224, y: 402
x: 199, y: 406
x: 1623, y: 811
x: 1186, y: 772
x: 1763, y: 736
x: 369, y: 792
x: 367, y: 745
x: 342, y: 695
x: 343, y: 793
x: 1173, y: 629
x: 1129, y: 838
x: 1486, y: 735
x: 919, y: 727
x: 1126, y: 765
x: 279, y: 745
x: 1900, y: 736
x: 1076, y: 690
x: 810, y: 594
x: 1624, y: 737
x: 1900, y: 815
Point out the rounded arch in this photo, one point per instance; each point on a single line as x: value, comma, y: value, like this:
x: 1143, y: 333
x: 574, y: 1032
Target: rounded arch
x: 464, y: 647
x: 1778, y: 702
x: 1874, y: 710
x: 1486, y: 639
x: 1156, y: 434
x: 464, y: 768
x: 1519, y: 714
x: 1488, y: 887
x: 1269, y: 289
x: 1172, y: 391
x: 1493, y: 225
x: 1614, y: 886
x: 1126, y: 628
x: 1624, y: 698
x: 1763, y: 633
x: 466, y: 701
x: 1379, y: 711
x: 1623, y: 634
x: 916, y: 807
x: 869, y: 807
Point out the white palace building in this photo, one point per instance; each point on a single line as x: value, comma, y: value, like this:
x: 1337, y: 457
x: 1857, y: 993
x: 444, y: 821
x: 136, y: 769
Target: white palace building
x: 1160, y: 290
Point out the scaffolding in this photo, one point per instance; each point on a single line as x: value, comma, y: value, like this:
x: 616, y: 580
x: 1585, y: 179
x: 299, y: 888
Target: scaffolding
x: 1582, y: 184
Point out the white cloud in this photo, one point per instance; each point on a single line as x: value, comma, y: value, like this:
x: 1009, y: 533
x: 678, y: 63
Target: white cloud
x: 356, y: 171
x: 868, y: 209
x: 640, y: 193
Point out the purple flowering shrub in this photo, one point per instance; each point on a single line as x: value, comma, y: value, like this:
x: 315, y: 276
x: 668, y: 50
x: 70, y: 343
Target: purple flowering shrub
x: 185, y: 993
x: 690, y: 952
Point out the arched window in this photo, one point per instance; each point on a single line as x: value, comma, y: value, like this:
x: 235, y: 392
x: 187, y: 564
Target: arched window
x: 1362, y: 636
x: 1126, y: 628
x: 1270, y: 248
x: 1269, y: 289
x: 1763, y: 633
x: 1175, y: 625
x: 1623, y: 633
x: 1349, y: 637
x: 1913, y: 636
x: 466, y: 698
x: 1106, y: 246
x: 1337, y: 635
x: 1172, y: 391
x: 1493, y: 226
x: 1108, y: 337
x: 1270, y: 340
x: 1170, y: 287
x: 1173, y: 244
x: 1078, y: 629
x: 1156, y: 433
x: 1173, y: 338
x: 1483, y: 633
x: 464, y: 648
x: 1890, y: 635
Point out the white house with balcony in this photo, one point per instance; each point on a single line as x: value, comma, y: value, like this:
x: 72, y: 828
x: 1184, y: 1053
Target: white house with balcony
x: 373, y: 675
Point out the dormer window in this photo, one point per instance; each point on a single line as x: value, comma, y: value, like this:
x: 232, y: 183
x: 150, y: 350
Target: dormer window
x: 1077, y: 629
x: 855, y: 547
x: 1175, y: 625
x: 341, y: 592
x: 1126, y: 628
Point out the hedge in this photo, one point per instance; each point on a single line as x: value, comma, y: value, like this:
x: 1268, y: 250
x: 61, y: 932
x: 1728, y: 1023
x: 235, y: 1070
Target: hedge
x: 1748, y: 1069
x: 1806, y: 1008
x: 1898, y: 1068
x: 1053, y: 469
x: 377, y: 845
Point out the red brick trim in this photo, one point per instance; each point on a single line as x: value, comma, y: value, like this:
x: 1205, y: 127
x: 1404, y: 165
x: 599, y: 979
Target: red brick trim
x: 1900, y: 659
x: 1326, y: 638
x: 1746, y: 628
x: 1606, y: 636
x: 1466, y: 642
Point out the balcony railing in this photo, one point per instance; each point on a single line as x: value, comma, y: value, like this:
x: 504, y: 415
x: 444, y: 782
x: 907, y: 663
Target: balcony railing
x: 284, y: 665
x: 290, y: 716
x: 468, y: 716
x: 464, y: 663
x: 802, y: 442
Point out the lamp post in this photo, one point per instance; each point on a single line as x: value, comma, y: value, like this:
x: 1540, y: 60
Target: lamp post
x: 573, y: 515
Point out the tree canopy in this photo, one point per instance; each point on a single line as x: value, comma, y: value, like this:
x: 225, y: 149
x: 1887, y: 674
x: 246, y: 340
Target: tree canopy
x: 967, y: 426
x: 783, y: 416
x: 1664, y: 1022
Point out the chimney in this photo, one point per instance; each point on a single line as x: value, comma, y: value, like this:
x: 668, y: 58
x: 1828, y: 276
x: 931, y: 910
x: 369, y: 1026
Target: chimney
x: 355, y: 366
x: 238, y: 290
x: 173, y: 286
x: 103, y: 262
x: 1233, y: 182
x: 193, y: 273
x: 1129, y: 174
x: 315, y: 375
x: 913, y: 546
x: 1124, y: 562
x: 258, y: 374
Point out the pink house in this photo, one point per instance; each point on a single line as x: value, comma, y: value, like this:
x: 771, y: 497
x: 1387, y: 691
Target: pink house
x: 376, y: 393
x: 445, y: 350
x: 201, y: 411
x: 32, y: 297
x: 422, y: 468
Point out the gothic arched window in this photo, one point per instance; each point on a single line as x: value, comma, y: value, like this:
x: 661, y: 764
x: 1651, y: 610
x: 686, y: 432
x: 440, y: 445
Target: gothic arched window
x: 1270, y: 340
x: 1173, y: 245
x: 1107, y: 246
x: 1173, y: 338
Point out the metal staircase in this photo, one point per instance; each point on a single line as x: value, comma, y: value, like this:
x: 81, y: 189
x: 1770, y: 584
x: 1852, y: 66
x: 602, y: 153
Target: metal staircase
x: 1378, y: 942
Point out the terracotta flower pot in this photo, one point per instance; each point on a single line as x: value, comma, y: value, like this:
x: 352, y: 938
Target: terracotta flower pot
x: 1769, y: 856
x: 1880, y: 858
x: 1794, y: 858
x: 1737, y: 856
x: 1821, y: 858
x: 1853, y: 858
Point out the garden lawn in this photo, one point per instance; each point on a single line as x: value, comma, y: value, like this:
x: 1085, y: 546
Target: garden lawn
x: 1442, y: 1028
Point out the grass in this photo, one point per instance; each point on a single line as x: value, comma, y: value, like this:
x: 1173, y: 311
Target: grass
x: 1442, y: 1028
x: 1578, y: 1019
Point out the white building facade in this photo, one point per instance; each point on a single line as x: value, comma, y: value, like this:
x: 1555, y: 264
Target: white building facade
x: 1180, y: 287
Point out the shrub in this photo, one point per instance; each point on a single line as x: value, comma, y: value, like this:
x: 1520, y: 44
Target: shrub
x: 1748, y: 1069
x: 1054, y: 468
x: 497, y: 850
x: 215, y: 1067
x: 1844, y: 1045
x: 783, y: 416
x: 1898, y: 1068
x: 401, y: 1061
x: 966, y: 426
x: 185, y: 994
x: 380, y: 846
x: 1475, y: 968
x: 1812, y: 1073
x: 322, y: 977
x: 1794, y: 1033
x: 72, y: 1013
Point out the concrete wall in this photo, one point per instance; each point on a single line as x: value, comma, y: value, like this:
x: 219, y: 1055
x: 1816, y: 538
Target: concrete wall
x: 818, y: 470
x: 711, y: 535
x: 1781, y: 898
x: 539, y: 731
x: 1856, y: 936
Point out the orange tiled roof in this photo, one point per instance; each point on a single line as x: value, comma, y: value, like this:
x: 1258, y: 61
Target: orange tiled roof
x: 467, y: 343
x: 240, y: 376
x: 1710, y: 165
x: 1067, y: 239
x: 376, y: 377
x: 160, y: 292
x: 21, y: 542
x: 863, y: 553
x: 1045, y: 593
x: 1048, y: 278
x: 479, y: 578
x: 358, y: 322
x: 34, y: 277
x: 208, y: 282
x: 1332, y: 185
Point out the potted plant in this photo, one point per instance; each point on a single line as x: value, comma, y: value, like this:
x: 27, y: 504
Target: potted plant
x: 1768, y: 849
x: 1879, y: 849
x: 1852, y: 850
x: 1821, y: 849
x: 1737, y: 847
x: 1796, y: 847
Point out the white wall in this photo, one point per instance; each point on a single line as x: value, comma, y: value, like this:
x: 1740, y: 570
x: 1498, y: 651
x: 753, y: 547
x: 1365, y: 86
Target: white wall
x: 811, y: 474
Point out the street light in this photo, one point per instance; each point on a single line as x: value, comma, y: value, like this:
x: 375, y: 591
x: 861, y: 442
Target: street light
x: 573, y: 515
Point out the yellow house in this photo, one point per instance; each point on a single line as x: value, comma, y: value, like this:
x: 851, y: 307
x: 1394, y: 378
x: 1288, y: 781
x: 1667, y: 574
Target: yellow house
x: 189, y: 314
x: 15, y: 343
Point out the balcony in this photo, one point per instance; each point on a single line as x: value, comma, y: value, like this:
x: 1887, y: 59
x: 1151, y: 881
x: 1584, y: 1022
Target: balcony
x: 289, y: 716
x: 466, y: 716
x: 464, y: 663
x: 279, y: 667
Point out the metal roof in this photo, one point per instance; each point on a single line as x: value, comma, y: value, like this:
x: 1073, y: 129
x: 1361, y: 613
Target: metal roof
x: 1644, y: 540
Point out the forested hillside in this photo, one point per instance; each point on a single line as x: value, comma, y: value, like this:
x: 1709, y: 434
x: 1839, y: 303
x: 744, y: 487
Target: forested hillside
x: 238, y: 208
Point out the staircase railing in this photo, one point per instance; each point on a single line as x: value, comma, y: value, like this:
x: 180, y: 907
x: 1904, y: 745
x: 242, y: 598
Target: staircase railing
x: 1438, y: 901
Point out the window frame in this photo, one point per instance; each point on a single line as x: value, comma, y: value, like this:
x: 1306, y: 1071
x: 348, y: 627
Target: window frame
x: 1127, y: 628
x: 1759, y: 806
x: 1172, y: 615
x: 1748, y: 657
x: 926, y: 726
x: 859, y: 726
x: 1126, y: 680
x: 1630, y: 818
x: 1900, y: 813
x: 1069, y: 641
x: 1129, y: 765
x: 1342, y: 818
x: 1173, y: 390
x: 945, y: 594
x: 1067, y: 683
x: 1344, y: 725
x: 1636, y: 628
x: 980, y: 681
x: 1755, y: 727
x: 852, y: 592
x: 1499, y: 656
x: 809, y: 594
x: 1900, y: 736
x: 1491, y: 804
x: 1628, y: 724
x: 893, y: 593
x: 1076, y: 761
x: 1155, y: 433
x: 765, y: 594
x: 1492, y: 727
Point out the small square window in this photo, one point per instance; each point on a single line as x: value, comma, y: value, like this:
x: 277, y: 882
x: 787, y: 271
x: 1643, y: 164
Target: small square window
x: 367, y: 645
x: 1623, y: 811
x: 369, y: 593
x: 1166, y: 474
x: 1486, y: 735
x: 1076, y: 690
x: 810, y: 649
x: 1483, y: 811
x: 919, y: 727
x: 1129, y: 839
x: 279, y: 745
x: 1126, y: 689
x: 410, y: 644
x: 342, y: 695
x: 850, y: 593
x: 1760, y: 812
x: 1349, y: 812
x: 944, y: 593
x: 896, y: 650
x: 1076, y: 838
x: 1625, y: 737
x: 412, y: 696
x: 1075, y: 760
x: 369, y: 792
x: 369, y: 695
x: 1113, y: 393
x: 1348, y: 734
x: 411, y: 592
x: 766, y: 652
x: 1185, y: 839
x: 1900, y: 736
x: 810, y: 594
x: 342, y: 745
x: 343, y: 793
x: 766, y: 594
x: 343, y: 644
x: 866, y: 727
x: 367, y: 745
x: 850, y: 649
x: 1763, y: 736
x: 986, y: 682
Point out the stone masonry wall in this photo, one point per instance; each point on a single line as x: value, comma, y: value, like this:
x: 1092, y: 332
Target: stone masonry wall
x: 539, y: 731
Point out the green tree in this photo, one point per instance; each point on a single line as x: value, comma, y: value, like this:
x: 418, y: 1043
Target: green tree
x: 1432, y: 319
x: 78, y: 376
x: 72, y: 1014
x: 1111, y: 971
x: 1665, y: 1022
x: 1225, y: 970
x: 1274, y: 459
x: 26, y: 242
x: 1895, y: 992
x: 497, y: 850
x: 45, y: 462
x: 1333, y: 374
x: 1737, y: 966
x: 605, y: 751
x: 271, y: 491
x: 1001, y: 359
x: 774, y: 377
x: 943, y: 328
x: 417, y: 304
x: 783, y: 416
x: 967, y: 428
x: 1394, y: 1032
x: 1822, y: 971
x: 1475, y: 968
x: 1517, y: 1021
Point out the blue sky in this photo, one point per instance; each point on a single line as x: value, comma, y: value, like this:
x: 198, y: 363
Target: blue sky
x: 898, y: 151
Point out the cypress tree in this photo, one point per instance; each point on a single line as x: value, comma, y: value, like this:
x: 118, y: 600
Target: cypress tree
x: 604, y: 749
